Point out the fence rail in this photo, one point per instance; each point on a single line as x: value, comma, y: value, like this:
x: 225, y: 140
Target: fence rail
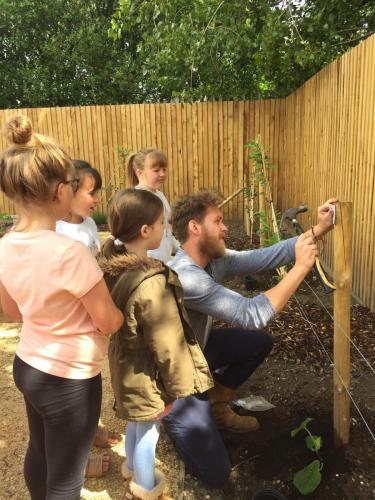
x: 321, y: 139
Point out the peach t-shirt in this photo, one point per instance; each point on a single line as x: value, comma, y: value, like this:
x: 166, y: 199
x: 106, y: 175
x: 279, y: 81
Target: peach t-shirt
x: 46, y: 274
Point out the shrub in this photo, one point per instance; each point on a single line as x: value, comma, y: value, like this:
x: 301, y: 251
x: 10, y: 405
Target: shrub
x: 100, y: 218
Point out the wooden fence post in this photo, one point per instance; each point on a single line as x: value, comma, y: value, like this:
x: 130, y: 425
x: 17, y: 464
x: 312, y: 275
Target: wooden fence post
x: 341, y: 342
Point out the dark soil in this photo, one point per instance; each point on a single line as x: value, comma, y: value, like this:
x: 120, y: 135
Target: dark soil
x: 297, y: 379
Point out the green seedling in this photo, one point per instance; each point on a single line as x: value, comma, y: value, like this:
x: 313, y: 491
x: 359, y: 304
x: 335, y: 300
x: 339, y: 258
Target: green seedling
x: 308, y: 479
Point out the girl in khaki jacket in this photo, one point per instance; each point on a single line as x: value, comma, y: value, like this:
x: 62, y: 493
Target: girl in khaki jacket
x: 154, y: 358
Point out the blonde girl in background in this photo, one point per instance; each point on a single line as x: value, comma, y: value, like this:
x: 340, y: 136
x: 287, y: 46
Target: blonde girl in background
x: 147, y: 169
x: 154, y: 358
x: 54, y: 285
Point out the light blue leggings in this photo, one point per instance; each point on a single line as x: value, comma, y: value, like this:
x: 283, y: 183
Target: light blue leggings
x: 140, y: 445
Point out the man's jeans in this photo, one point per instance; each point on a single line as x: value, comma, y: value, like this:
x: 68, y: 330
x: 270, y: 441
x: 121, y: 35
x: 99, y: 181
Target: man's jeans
x: 232, y: 355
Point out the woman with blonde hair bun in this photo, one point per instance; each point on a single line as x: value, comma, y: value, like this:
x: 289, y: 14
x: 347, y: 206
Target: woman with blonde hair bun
x: 53, y: 284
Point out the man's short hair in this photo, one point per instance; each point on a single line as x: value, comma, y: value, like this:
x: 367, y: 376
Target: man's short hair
x: 192, y: 207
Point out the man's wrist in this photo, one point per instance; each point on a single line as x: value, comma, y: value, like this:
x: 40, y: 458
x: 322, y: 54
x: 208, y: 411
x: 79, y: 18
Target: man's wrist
x: 301, y: 270
x: 318, y: 231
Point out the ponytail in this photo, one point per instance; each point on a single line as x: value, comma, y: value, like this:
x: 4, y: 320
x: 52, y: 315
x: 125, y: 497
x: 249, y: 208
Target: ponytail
x: 110, y: 249
x: 131, y: 170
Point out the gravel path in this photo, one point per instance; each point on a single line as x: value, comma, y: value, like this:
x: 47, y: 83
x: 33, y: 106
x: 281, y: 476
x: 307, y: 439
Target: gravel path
x: 14, y: 437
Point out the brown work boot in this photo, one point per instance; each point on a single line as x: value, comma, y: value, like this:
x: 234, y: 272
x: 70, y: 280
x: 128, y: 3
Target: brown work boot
x: 221, y: 398
x: 134, y: 491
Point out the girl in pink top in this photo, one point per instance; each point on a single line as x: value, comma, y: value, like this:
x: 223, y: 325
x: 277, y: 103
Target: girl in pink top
x: 54, y: 285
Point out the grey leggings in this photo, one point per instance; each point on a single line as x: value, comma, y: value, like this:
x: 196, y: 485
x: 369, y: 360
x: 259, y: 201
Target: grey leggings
x: 63, y: 415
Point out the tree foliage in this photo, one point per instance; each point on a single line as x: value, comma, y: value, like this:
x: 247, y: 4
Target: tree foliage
x: 56, y: 53
x: 234, y: 49
x: 69, y: 52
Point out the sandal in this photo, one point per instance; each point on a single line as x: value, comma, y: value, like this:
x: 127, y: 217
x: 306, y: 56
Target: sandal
x: 106, y: 439
x: 97, y: 465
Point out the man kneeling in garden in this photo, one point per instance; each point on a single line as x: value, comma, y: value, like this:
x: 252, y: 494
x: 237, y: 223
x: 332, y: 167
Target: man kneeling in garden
x: 234, y: 353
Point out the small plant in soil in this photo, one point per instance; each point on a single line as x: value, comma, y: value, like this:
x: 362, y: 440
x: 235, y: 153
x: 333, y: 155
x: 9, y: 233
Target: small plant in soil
x: 308, y: 479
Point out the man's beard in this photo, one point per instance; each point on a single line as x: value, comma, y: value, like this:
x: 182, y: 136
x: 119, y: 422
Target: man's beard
x: 211, y: 246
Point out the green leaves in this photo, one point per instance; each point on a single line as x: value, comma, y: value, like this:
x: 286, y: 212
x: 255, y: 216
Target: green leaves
x: 56, y: 53
x: 308, y: 479
x: 65, y: 52
x: 313, y: 443
x: 301, y: 427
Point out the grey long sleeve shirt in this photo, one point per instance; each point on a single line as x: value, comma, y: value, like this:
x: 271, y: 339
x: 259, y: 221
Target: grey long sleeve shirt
x: 206, y: 298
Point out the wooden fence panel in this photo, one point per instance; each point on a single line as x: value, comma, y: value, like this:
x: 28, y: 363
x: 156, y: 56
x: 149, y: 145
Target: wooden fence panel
x: 204, y: 142
x: 329, y: 135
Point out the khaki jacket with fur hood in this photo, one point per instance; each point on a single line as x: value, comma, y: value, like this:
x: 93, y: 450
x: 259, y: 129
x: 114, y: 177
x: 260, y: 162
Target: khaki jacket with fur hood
x: 155, y: 357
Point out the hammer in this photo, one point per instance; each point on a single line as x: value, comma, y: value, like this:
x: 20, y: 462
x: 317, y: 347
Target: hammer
x: 290, y: 216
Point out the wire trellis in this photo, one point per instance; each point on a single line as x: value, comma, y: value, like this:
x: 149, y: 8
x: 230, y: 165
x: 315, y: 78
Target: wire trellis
x: 312, y: 326
x: 341, y: 329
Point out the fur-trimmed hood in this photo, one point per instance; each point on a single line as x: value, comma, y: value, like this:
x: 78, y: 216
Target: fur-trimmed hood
x: 124, y: 272
x: 128, y: 262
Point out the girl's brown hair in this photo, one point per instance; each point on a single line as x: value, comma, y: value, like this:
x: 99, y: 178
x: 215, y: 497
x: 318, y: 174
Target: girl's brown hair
x: 32, y: 164
x: 137, y: 160
x: 84, y: 168
x: 129, y: 210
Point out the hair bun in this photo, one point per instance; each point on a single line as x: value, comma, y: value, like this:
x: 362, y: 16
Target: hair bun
x: 19, y: 130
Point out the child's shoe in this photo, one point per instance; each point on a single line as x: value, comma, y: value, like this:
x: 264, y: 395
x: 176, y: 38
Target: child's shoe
x: 126, y: 473
x: 134, y: 491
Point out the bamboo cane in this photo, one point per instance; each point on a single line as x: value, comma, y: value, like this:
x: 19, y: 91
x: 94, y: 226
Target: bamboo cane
x: 246, y: 197
x: 282, y: 271
x: 233, y: 195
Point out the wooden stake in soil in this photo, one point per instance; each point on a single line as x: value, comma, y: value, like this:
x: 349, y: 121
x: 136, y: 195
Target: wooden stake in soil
x: 341, y: 342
